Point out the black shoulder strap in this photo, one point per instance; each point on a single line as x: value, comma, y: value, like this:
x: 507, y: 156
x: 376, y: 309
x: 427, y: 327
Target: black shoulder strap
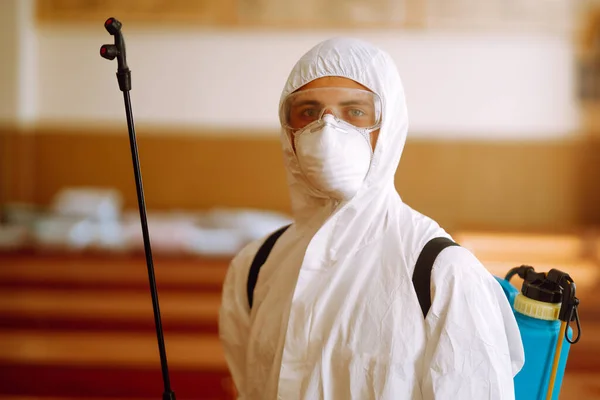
x: 259, y: 259
x: 422, y: 273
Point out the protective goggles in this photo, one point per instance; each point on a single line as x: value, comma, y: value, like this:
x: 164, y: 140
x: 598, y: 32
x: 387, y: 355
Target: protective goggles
x: 357, y: 107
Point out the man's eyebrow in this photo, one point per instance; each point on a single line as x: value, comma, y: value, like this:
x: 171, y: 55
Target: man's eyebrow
x: 306, y: 102
x: 356, y: 102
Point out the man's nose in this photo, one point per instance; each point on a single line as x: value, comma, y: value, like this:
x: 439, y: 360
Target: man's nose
x: 327, y: 111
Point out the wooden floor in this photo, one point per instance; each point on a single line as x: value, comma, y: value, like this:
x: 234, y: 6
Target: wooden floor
x: 81, y: 327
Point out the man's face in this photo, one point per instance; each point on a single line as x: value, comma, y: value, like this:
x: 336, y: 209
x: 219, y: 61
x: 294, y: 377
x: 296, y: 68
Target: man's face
x: 364, y: 115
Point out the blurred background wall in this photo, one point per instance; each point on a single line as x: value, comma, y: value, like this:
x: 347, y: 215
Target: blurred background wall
x: 497, y: 138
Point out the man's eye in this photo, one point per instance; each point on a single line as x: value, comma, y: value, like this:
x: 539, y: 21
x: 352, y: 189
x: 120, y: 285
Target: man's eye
x: 309, y: 112
x: 357, y: 113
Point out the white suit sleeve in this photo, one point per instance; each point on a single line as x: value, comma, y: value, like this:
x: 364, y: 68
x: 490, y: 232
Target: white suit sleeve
x: 474, y: 347
x: 234, y: 316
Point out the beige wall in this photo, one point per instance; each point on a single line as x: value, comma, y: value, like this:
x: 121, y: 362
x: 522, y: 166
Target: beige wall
x: 473, y: 86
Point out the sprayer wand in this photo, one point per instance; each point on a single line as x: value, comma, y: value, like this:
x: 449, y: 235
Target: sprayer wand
x: 110, y: 52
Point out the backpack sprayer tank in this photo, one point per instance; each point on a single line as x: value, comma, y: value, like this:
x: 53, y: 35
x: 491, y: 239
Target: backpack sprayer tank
x: 543, y: 309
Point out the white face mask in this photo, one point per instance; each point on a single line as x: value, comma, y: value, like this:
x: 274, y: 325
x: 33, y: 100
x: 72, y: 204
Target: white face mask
x: 334, y: 156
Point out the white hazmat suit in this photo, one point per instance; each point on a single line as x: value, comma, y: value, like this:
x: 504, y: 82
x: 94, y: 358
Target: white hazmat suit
x: 335, y: 313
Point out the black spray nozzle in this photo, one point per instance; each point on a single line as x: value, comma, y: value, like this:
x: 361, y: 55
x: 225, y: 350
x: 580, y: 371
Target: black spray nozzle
x: 117, y: 50
x: 109, y: 51
x: 552, y: 287
x: 113, y: 26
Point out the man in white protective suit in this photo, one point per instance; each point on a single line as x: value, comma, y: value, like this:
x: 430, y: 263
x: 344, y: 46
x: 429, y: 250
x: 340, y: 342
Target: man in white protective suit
x: 334, y: 313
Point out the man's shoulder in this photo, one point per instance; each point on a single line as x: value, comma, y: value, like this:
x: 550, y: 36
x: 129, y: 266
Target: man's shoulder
x: 417, y: 229
x: 240, y: 263
x: 458, y: 262
x: 243, y: 259
x: 421, y: 229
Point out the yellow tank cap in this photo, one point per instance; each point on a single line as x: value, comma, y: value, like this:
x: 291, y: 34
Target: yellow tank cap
x: 537, y: 309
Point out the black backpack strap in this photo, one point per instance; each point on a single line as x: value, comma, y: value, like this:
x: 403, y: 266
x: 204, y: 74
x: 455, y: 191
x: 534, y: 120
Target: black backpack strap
x: 422, y: 274
x: 259, y: 259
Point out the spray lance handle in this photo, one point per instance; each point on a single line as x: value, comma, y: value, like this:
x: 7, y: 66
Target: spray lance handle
x: 569, y: 304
